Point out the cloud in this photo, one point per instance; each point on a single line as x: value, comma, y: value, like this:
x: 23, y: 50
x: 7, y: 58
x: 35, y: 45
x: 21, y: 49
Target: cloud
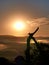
x: 39, y: 21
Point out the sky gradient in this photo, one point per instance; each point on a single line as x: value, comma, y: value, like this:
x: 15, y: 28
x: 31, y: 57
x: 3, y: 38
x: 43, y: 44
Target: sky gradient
x: 34, y: 12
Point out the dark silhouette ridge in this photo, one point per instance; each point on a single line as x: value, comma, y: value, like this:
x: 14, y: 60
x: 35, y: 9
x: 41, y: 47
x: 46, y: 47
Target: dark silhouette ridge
x: 4, y: 61
x: 42, y: 54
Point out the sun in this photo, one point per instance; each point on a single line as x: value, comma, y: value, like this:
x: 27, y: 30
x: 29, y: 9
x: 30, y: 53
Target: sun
x: 19, y: 25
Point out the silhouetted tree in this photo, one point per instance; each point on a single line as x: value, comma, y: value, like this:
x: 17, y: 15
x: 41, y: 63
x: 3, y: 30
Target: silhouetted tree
x: 28, y: 45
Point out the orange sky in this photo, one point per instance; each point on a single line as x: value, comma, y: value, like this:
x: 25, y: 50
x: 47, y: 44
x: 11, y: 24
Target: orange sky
x: 31, y: 13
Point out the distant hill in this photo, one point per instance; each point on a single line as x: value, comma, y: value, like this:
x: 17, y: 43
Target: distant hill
x: 11, y: 38
x: 14, y: 37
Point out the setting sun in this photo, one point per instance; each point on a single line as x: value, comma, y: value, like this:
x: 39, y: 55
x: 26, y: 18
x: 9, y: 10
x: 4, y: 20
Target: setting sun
x: 19, y: 25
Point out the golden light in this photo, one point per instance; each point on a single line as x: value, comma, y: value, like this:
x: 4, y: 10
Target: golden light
x: 19, y: 25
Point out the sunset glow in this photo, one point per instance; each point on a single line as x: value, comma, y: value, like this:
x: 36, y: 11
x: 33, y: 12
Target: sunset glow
x: 18, y: 18
x: 19, y: 25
